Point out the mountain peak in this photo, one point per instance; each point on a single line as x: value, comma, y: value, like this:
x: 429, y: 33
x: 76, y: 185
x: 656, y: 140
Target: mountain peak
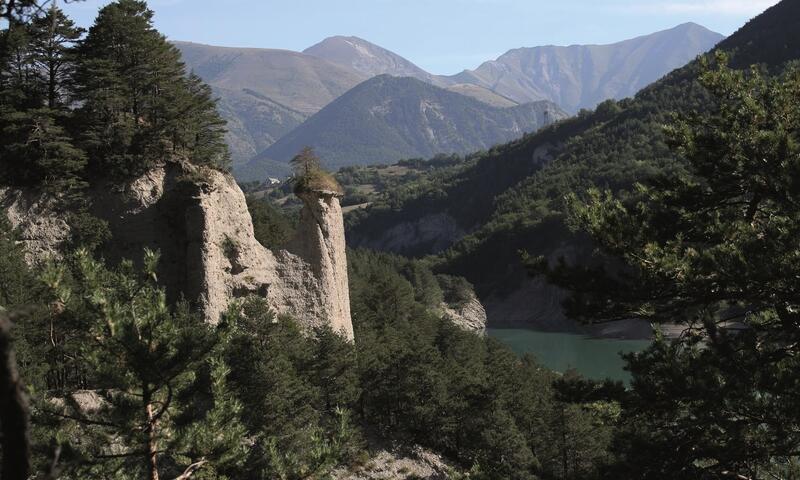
x: 689, y: 26
x: 388, y: 118
x: 365, y: 57
x: 581, y: 76
x: 694, y: 29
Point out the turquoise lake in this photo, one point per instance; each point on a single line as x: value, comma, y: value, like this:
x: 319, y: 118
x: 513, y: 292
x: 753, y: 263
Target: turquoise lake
x: 595, y: 358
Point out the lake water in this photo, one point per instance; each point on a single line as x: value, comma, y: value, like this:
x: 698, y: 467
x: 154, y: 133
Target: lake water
x: 596, y: 358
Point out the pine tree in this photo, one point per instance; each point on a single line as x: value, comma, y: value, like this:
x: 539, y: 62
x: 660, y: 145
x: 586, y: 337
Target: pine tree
x: 306, y: 163
x: 138, y: 104
x: 53, y: 37
x: 18, y: 85
x: 35, y: 147
x: 37, y: 151
x: 714, y: 248
x: 200, y: 133
x: 155, y: 399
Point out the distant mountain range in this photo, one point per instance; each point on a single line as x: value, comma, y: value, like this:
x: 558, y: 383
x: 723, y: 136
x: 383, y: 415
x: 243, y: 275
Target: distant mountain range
x: 582, y: 76
x: 479, y: 226
x: 388, y: 118
x: 265, y: 94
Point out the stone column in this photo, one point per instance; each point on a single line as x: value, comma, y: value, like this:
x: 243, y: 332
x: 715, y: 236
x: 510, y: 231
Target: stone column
x: 320, y: 242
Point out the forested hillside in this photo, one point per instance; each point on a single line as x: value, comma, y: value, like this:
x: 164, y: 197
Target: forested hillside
x: 513, y: 197
x: 685, y: 200
x: 106, y: 375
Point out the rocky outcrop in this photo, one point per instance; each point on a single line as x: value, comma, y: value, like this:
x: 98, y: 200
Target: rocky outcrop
x: 320, y: 241
x: 469, y: 315
x: 198, y: 219
x: 399, y: 464
x: 41, y: 230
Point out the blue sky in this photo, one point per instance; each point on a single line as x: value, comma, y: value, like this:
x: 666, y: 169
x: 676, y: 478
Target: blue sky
x: 441, y: 36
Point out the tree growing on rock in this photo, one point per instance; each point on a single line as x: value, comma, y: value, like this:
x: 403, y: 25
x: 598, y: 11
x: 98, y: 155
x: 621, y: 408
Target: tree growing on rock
x: 309, y: 175
x: 138, y: 104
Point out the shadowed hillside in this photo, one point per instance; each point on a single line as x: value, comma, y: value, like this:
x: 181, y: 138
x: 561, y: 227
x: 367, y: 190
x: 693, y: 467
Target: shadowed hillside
x: 386, y: 119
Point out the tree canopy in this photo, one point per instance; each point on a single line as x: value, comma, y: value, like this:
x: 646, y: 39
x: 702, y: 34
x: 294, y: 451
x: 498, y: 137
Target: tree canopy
x: 712, y: 248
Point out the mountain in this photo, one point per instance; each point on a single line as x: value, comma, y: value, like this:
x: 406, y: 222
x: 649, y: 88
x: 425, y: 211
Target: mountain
x: 265, y: 93
x: 366, y: 58
x: 581, y: 76
x: 387, y: 118
x: 479, y: 217
x: 254, y: 121
x: 483, y: 94
x: 372, y: 60
x: 301, y: 82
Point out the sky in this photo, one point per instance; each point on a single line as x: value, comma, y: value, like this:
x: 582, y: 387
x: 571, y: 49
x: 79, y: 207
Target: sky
x: 441, y: 36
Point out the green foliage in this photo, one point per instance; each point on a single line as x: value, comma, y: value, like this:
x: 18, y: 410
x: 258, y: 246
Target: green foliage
x: 297, y: 392
x: 52, y: 38
x: 512, y: 197
x: 300, y: 403
x: 425, y: 381
x: 16, y: 282
x: 146, y: 391
x: 34, y: 81
x: 309, y: 175
x: 138, y: 105
x: 456, y: 291
x: 127, y: 385
x: 115, y: 104
x: 37, y: 151
x: 21, y: 291
x: 270, y: 227
x: 712, y: 247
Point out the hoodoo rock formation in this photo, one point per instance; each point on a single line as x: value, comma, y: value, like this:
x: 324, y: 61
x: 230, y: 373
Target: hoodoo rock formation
x: 320, y: 240
x: 198, y: 219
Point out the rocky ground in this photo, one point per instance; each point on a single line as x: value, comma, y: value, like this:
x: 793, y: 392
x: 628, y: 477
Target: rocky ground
x: 399, y: 464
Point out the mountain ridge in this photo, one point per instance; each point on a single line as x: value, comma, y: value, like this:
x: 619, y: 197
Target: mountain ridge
x: 390, y: 118
x: 266, y: 93
x: 522, y: 206
x: 559, y: 73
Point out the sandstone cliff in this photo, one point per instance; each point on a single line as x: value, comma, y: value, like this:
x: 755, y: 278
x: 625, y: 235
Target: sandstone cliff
x: 198, y: 219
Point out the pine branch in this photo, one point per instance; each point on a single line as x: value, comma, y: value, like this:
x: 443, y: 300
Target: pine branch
x: 191, y: 469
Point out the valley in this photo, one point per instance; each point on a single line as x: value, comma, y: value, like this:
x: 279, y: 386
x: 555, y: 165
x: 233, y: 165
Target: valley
x: 569, y: 262
x: 269, y: 96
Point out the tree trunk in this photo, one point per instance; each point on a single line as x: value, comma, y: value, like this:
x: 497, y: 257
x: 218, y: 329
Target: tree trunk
x: 13, y: 412
x: 51, y: 88
x: 152, y: 446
